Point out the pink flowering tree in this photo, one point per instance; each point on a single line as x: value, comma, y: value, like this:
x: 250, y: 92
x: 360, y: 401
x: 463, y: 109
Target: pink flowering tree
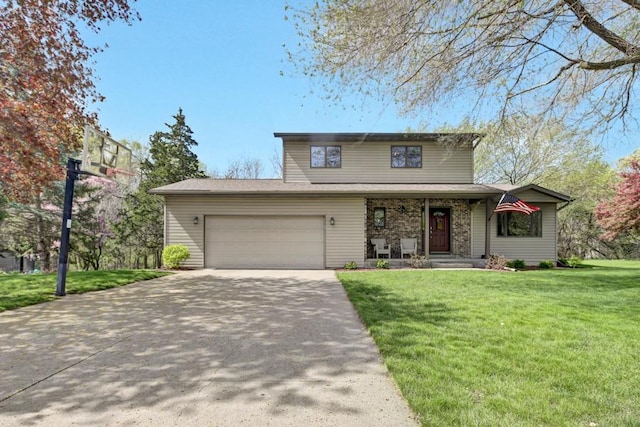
x: 620, y: 215
x: 95, y: 209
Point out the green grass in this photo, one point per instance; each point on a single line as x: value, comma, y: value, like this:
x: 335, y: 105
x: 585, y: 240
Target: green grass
x: 532, y: 348
x: 20, y: 290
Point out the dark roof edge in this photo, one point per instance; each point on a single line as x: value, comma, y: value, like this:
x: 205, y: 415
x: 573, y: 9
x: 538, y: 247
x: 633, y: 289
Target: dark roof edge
x: 374, y: 136
x: 486, y: 191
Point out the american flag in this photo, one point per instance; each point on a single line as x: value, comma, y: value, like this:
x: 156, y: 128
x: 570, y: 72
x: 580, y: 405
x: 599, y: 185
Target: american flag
x: 509, y: 203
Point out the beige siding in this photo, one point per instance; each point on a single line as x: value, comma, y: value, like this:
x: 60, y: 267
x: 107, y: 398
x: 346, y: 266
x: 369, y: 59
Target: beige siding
x: 535, y: 197
x: 478, y: 229
x: 344, y: 241
x: 370, y: 162
x: 531, y: 249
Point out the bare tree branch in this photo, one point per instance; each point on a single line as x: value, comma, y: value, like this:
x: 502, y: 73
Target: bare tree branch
x: 494, y: 54
x: 633, y: 3
x: 600, y: 30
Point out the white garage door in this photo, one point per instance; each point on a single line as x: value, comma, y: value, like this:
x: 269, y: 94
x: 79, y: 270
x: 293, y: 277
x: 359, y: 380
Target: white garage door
x: 264, y: 242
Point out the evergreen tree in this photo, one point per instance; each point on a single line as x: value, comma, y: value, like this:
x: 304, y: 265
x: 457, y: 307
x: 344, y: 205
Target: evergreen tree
x: 170, y: 160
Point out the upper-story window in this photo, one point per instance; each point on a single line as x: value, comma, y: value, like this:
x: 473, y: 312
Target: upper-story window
x: 403, y: 156
x: 326, y: 156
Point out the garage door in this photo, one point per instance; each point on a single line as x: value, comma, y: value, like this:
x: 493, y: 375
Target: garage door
x: 264, y: 242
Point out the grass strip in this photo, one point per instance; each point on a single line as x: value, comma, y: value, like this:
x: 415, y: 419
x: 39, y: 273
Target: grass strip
x: 20, y: 290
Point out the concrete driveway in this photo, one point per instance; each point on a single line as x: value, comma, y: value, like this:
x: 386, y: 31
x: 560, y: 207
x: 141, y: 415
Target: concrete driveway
x: 209, y: 347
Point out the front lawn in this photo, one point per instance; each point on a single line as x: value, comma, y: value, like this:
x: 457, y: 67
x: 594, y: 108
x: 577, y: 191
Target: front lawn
x: 20, y: 290
x: 531, y: 348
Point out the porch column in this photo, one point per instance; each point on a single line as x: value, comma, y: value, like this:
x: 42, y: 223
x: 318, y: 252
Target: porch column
x: 487, y: 228
x: 426, y: 228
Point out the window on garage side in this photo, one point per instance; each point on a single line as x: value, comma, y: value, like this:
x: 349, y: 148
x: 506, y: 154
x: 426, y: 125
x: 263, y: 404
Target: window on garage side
x: 516, y: 224
x: 406, y: 156
x: 326, y: 156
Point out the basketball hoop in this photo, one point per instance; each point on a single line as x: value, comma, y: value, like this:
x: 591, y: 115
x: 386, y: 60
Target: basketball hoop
x: 104, y: 156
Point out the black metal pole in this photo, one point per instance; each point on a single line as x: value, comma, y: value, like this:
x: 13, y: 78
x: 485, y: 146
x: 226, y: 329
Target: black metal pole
x: 73, y: 169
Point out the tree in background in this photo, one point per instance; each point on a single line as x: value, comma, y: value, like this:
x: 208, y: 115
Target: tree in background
x: 32, y: 230
x: 620, y: 216
x: 96, y: 204
x: 171, y: 159
x: 587, y: 178
x: 522, y: 149
x: 567, y: 58
x: 46, y: 83
x: 246, y: 168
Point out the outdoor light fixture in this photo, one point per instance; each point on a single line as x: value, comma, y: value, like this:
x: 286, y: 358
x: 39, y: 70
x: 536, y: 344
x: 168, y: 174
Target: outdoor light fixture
x: 332, y: 221
x: 195, y: 220
x: 403, y: 210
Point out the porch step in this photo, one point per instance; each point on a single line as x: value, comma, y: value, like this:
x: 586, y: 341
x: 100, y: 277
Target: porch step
x: 451, y: 265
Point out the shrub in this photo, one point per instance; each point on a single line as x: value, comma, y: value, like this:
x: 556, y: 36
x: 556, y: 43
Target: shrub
x: 382, y: 263
x: 351, y: 265
x: 574, y: 261
x: 417, y: 261
x: 173, y: 255
x: 547, y: 263
x: 496, y: 262
x: 518, y: 264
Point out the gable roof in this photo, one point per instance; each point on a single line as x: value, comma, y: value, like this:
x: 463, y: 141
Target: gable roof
x: 514, y: 189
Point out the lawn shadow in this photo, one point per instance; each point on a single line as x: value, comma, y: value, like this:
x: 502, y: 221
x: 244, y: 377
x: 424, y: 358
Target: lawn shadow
x: 377, y: 305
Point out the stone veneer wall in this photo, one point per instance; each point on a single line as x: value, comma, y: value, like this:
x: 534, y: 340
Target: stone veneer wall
x: 460, y: 224
x: 398, y: 224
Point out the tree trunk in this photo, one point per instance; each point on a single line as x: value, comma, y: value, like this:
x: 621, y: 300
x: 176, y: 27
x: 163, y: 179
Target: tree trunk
x: 41, y: 247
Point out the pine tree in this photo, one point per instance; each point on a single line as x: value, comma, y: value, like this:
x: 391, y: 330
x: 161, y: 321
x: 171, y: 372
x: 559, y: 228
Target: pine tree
x: 170, y: 160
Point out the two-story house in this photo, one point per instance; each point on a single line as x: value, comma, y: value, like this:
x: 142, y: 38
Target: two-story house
x: 341, y: 190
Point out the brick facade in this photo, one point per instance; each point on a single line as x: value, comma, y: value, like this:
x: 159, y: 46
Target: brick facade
x: 403, y: 220
x: 406, y: 218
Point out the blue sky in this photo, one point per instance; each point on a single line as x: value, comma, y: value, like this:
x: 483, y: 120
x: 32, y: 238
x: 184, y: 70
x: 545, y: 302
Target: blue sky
x: 224, y: 64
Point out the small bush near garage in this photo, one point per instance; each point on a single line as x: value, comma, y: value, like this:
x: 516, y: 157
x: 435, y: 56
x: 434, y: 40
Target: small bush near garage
x: 351, y: 265
x: 173, y: 255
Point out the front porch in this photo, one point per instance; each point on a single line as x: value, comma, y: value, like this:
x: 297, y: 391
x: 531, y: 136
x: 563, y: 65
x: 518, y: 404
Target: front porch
x: 441, y: 227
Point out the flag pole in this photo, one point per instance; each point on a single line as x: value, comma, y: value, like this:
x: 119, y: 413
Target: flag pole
x: 493, y: 210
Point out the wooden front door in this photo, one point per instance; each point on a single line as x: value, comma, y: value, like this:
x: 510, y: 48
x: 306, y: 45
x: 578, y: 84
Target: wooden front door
x: 439, y: 235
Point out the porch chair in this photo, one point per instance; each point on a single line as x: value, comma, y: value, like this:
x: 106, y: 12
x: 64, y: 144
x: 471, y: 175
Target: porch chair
x: 408, y: 246
x: 380, y: 247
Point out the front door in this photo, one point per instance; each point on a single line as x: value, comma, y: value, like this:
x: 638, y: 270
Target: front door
x: 439, y: 235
